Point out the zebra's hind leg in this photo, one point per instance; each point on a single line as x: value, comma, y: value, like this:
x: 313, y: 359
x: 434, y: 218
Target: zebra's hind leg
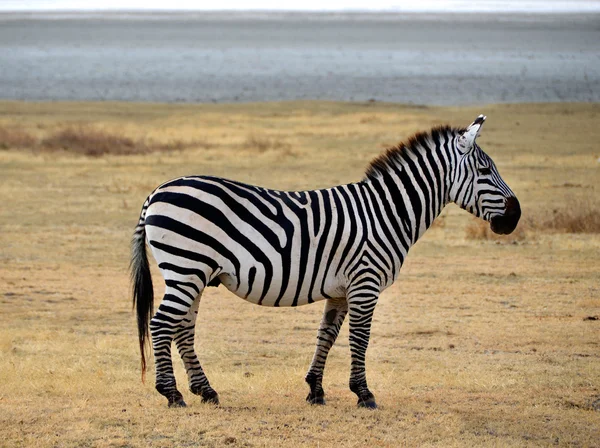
x: 333, y: 317
x: 165, y: 324
x: 184, y: 340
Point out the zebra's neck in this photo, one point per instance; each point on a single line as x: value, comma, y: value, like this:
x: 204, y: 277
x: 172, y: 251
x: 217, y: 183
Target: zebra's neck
x: 409, y: 186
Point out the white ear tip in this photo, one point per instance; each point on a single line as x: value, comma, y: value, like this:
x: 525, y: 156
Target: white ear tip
x: 479, y: 120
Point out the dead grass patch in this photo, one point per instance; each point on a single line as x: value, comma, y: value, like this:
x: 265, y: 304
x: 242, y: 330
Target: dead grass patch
x: 478, y: 229
x: 90, y: 141
x: 572, y: 217
x: 577, y: 217
x: 370, y: 119
x: 15, y: 138
x: 96, y: 142
x: 262, y: 143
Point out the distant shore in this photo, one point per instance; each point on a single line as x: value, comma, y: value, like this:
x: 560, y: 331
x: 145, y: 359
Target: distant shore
x: 204, y: 57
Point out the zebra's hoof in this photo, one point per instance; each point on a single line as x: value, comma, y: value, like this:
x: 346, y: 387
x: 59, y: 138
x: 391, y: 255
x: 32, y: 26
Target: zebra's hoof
x: 315, y: 400
x: 210, y: 397
x: 179, y: 403
x: 367, y: 404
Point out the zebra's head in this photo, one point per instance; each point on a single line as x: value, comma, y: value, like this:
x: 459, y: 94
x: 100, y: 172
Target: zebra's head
x: 477, y: 186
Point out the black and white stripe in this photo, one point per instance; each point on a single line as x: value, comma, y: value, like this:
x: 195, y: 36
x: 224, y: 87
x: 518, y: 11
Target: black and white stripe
x: 344, y: 245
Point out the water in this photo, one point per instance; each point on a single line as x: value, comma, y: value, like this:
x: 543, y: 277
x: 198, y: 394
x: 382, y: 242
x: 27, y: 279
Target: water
x: 230, y: 57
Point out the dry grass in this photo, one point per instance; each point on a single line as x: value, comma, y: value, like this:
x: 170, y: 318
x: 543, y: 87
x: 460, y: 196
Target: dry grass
x: 478, y: 229
x: 89, y: 140
x: 578, y: 216
x: 262, y: 143
x: 93, y: 142
x: 15, y: 137
x: 475, y: 345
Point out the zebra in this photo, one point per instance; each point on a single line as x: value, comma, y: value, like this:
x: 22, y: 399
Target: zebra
x: 343, y: 245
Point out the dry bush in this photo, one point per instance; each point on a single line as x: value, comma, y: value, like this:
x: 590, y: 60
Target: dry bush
x: 478, y: 229
x: 178, y: 145
x: 580, y: 217
x: 370, y: 119
x: 92, y: 142
x: 15, y: 138
x: 96, y: 142
x: 263, y: 143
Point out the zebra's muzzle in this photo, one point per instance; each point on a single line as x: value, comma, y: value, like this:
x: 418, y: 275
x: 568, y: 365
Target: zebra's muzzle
x: 506, y: 223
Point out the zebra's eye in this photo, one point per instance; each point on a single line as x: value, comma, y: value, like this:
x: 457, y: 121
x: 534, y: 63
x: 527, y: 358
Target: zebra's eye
x: 484, y: 171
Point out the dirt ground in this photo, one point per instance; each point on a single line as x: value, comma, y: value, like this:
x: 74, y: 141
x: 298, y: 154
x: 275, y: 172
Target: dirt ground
x: 481, y: 342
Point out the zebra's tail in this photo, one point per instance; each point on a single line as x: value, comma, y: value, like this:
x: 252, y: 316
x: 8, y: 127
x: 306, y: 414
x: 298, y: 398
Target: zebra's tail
x: 141, y: 278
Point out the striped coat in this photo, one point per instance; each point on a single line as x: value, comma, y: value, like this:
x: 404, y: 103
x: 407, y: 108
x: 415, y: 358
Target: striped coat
x: 344, y: 245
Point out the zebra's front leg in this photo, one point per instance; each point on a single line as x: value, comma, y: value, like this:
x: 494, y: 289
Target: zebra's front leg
x: 184, y: 340
x: 361, y: 305
x: 333, y: 317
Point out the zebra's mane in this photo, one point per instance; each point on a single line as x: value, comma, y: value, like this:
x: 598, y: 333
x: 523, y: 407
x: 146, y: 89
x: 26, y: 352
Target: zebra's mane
x: 421, y: 141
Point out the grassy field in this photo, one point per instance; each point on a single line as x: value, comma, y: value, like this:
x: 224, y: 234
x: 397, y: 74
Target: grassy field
x: 482, y: 341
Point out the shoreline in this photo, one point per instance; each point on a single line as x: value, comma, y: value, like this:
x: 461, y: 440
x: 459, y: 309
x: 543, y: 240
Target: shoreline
x: 248, y: 57
x: 341, y: 103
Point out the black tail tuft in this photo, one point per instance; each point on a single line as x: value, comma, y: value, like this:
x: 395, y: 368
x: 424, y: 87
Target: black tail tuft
x: 143, y: 293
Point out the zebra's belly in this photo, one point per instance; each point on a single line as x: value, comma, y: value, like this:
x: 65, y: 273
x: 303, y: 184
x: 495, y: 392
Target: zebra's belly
x: 270, y: 294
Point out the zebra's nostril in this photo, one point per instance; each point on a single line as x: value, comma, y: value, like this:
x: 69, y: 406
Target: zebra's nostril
x: 507, y: 222
x: 513, y: 207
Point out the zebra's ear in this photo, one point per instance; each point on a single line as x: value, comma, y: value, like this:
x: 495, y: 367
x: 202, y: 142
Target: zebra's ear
x: 466, y: 142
